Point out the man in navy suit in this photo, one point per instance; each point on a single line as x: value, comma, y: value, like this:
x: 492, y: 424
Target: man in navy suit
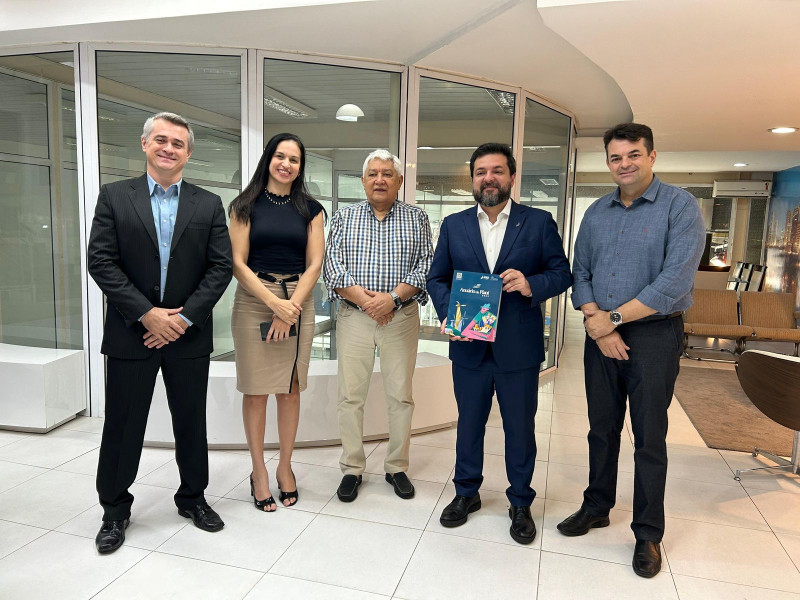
x: 522, y: 245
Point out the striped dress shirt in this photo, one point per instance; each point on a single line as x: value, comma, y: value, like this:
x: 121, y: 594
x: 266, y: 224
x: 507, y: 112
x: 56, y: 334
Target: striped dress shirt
x: 378, y: 254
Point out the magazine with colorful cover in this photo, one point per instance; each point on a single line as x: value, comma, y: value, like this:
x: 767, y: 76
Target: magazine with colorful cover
x: 474, y: 305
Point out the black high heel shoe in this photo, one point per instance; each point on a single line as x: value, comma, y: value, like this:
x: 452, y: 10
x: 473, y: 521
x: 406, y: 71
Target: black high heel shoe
x: 261, y: 504
x: 288, y: 495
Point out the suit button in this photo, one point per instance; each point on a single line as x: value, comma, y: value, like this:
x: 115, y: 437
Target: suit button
x: 156, y: 288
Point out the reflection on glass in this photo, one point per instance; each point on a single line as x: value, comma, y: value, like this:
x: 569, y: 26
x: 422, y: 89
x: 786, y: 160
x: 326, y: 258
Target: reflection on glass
x: 303, y: 99
x: 204, y: 89
x: 40, y: 272
x: 545, y: 158
x: 454, y: 119
x: 717, y: 217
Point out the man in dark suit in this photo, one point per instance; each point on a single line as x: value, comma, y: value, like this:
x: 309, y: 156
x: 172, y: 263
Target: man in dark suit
x: 159, y: 249
x: 522, y: 245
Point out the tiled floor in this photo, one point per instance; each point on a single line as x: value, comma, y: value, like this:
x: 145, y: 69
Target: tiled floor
x: 724, y: 539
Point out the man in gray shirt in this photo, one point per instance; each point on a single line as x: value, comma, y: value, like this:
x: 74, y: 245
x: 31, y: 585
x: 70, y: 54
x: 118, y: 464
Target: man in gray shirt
x: 635, y: 260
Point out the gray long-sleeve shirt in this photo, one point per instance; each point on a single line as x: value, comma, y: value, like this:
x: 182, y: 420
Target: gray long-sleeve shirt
x: 648, y: 251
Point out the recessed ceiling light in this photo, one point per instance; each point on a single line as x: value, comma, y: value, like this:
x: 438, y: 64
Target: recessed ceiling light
x: 424, y: 147
x: 783, y: 129
x: 739, y: 164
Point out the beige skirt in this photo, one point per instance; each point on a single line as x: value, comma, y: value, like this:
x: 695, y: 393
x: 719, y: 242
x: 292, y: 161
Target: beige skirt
x: 267, y: 368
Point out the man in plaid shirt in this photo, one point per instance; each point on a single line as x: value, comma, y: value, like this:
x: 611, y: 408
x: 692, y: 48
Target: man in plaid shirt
x: 377, y: 260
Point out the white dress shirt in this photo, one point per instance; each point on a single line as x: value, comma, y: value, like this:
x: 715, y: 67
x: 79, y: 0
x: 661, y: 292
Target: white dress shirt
x: 492, y: 234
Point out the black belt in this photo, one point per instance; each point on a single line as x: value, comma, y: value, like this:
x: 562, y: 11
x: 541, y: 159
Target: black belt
x: 657, y: 317
x: 357, y: 307
x: 281, y: 282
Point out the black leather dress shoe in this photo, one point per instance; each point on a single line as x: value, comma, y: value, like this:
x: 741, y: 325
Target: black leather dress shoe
x: 580, y: 522
x: 203, y: 516
x: 111, y: 536
x: 455, y: 513
x: 646, y: 558
x: 523, y: 529
x: 348, y: 488
x: 402, y: 486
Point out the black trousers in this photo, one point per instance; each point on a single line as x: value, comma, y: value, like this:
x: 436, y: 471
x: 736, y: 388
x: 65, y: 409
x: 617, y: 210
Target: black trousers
x: 517, y: 395
x: 129, y: 392
x: 647, y: 379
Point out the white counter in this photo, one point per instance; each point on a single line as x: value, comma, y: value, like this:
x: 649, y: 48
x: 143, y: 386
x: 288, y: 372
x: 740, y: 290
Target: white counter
x: 435, y: 406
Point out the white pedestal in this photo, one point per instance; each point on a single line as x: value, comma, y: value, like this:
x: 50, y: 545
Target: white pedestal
x: 41, y: 387
x: 435, y: 406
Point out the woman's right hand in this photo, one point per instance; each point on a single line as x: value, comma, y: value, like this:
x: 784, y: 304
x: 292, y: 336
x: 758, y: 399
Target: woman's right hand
x: 286, y: 310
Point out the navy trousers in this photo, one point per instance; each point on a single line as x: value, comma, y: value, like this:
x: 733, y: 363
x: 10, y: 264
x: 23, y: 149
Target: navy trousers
x: 517, y: 395
x: 647, y: 380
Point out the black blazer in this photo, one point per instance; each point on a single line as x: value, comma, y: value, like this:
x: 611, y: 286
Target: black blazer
x: 124, y: 261
x: 531, y: 245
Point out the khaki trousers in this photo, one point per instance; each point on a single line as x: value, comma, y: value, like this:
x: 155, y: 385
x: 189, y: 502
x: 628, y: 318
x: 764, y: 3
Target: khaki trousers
x: 357, y: 337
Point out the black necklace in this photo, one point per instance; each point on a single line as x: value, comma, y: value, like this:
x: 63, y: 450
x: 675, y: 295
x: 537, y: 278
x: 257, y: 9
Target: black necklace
x: 273, y: 198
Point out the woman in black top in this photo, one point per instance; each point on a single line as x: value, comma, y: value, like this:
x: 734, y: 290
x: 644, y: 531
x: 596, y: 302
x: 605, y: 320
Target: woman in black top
x: 278, y: 245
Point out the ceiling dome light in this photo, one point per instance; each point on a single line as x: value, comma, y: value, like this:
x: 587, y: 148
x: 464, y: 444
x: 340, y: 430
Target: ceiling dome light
x: 739, y: 164
x: 349, y: 112
x: 782, y: 129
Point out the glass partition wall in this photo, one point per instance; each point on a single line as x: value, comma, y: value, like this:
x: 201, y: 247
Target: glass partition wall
x: 62, y: 136
x: 40, y: 241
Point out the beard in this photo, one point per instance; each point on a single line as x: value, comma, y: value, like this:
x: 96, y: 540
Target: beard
x: 491, y: 195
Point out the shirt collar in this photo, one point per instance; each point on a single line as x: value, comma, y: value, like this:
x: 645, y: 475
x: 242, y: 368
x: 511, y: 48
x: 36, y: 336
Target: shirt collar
x: 649, y: 194
x: 151, y: 184
x: 506, y: 211
x: 368, y: 207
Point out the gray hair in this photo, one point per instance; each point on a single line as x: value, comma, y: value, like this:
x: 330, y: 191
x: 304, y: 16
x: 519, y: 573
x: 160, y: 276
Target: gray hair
x: 383, y: 155
x: 172, y: 118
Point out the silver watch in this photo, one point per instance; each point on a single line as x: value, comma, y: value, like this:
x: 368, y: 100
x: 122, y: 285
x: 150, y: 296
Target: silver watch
x: 398, y: 301
x: 616, y: 318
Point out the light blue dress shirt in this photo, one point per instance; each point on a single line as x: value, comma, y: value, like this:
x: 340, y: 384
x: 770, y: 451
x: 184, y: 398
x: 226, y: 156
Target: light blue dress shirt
x: 165, y: 210
x: 648, y: 251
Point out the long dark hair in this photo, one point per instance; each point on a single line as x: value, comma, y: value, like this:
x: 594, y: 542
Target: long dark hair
x: 242, y: 205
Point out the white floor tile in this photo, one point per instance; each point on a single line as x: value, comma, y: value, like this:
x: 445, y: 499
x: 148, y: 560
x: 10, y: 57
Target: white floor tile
x: 570, y: 404
x: 377, y: 502
x: 562, y: 576
x: 699, y: 464
x: 711, y: 503
x: 570, y: 382
x: 572, y: 450
x: 336, y: 551
x: 12, y: 474
x: 614, y: 543
x: 443, y: 438
x: 732, y: 554
x: 272, y: 587
x: 791, y: 543
x: 446, y: 566
x: 250, y: 540
x: 544, y: 401
x: 154, y: 518
x: 51, y: 449
x: 62, y: 566
x: 570, y: 424
x: 11, y: 437
x: 543, y: 422
x: 85, y: 424
x: 780, y: 509
x: 225, y: 471
x: 48, y: 500
x: 326, y: 456
x: 425, y: 462
x: 692, y: 588
x: 566, y: 483
x: 490, y: 523
x: 14, y: 536
x: 164, y: 576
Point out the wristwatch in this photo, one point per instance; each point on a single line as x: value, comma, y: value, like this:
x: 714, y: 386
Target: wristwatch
x: 616, y: 318
x: 398, y: 301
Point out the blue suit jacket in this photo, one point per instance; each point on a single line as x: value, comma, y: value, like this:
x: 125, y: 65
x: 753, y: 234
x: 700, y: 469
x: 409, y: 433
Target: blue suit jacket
x: 531, y: 245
